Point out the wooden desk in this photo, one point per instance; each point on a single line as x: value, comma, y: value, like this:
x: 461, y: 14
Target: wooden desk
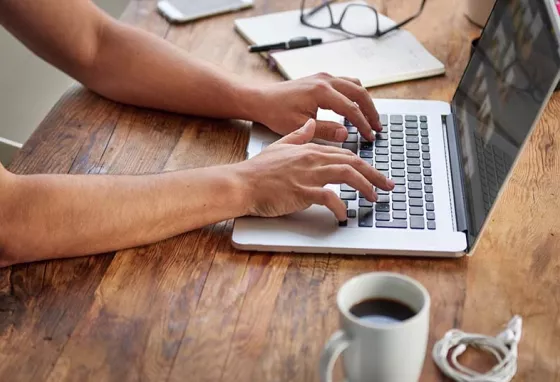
x: 192, y: 308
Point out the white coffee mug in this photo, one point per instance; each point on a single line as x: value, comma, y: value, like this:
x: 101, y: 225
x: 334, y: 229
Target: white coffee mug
x: 373, y: 351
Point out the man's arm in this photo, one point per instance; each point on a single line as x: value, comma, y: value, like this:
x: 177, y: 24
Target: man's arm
x: 132, y: 66
x: 56, y: 216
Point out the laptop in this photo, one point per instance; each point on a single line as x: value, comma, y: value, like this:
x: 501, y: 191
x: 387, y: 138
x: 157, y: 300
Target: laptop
x: 450, y: 161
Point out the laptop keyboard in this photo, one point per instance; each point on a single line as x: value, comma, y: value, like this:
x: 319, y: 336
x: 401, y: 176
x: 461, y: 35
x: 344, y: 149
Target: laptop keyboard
x: 401, y: 151
x: 493, y: 165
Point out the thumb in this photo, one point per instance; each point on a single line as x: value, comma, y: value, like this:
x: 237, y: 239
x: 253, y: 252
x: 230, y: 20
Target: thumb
x: 302, y: 135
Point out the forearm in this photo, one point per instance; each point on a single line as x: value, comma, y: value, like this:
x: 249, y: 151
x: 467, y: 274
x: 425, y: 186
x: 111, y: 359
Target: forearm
x: 135, y: 67
x: 54, y: 216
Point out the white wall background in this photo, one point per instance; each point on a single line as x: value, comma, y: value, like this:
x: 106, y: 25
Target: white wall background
x: 29, y: 87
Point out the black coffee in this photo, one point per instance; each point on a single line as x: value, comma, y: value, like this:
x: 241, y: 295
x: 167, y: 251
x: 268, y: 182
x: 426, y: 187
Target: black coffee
x: 382, y: 311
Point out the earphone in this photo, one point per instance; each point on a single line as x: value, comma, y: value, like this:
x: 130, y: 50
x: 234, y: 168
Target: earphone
x: 503, y: 347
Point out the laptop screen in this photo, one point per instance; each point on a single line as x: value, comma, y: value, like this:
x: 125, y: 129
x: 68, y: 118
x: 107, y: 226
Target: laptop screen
x: 505, y: 85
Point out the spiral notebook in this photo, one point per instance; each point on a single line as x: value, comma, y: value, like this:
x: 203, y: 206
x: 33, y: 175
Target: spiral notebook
x: 396, y: 57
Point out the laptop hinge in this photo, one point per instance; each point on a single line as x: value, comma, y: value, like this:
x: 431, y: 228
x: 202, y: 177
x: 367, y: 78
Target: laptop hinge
x: 461, y: 210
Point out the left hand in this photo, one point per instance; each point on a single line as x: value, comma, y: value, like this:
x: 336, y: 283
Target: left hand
x: 285, y: 106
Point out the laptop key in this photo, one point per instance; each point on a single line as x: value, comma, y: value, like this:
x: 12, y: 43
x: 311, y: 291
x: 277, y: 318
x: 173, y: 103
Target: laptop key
x: 430, y: 206
x: 382, y: 166
x: 346, y: 202
x: 413, y: 170
x: 399, y: 206
x: 343, y: 223
x: 397, y: 157
x: 396, y: 119
x: 379, y: 191
x: 399, y: 190
x: 410, y: 118
x: 423, y: 133
x: 425, y: 140
x: 397, y: 135
x: 399, y: 198
x: 415, y: 194
x: 431, y: 224
x: 383, y: 119
x: 397, y: 172
x: 347, y: 123
x: 397, y: 165
x: 411, y: 132
x: 399, y: 181
x: 365, y: 203
x: 400, y: 215
x: 412, y: 146
x: 366, y: 146
x: 352, y: 129
x: 351, y: 214
x: 397, y: 142
x: 382, y: 216
x: 368, y: 161
x: 382, y: 207
x: 381, y: 143
x: 423, y: 125
x: 413, y: 162
x: 416, y: 202
x: 428, y: 180
x: 414, y: 185
x: 384, y: 129
x: 352, y: 138
x: 381, y: 159
x: 427, y: 172
x: 429, y: 189
x: 431, y: 215
x: 429, y: 197
x: 423, y: 118
x: 397, y: 150
x: 366, y: 154
x: 383, y: 199
x: 416, y: 222
x: 345, y: 195
x: 382, y: 136
x: 365, y: 217
x: 413, y: 154
x: 393, y: 224
x: 419, y: 211
x: 381, y: 151
x: 427, y: 164
x: 396, y: 128
x: 351, y: 146
x: 411, y: 139
x: 414, y: 177
x: 345, y: 187
x: 426, y: 156
x: 425, y: 148
x: 411, y: 125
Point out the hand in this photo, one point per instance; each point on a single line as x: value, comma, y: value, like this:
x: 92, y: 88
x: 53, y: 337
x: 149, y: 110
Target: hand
x: 290, y: 176
x: 285, y: 106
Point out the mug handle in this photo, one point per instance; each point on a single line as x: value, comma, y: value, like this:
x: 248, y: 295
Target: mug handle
x: 338, y: 342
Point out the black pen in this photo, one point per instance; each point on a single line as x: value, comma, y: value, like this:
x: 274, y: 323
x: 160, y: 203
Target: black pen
x: 298, y: 42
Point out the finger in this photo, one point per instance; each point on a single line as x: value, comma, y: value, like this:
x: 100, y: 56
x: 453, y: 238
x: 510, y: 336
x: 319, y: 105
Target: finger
x: 351, y: 79
x: 300, y: 136
x: 360, y: 95
x: 343, y: 173
x: 327, y: 149
x: 340, y: 104
x: 331, y: 131
x: 328, y: 198
x: 371, y: 174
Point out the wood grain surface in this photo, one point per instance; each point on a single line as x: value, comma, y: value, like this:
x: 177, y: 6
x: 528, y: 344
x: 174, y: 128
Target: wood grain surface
x: 193, y: 308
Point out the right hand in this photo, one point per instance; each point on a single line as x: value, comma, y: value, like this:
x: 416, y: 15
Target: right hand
x: 290, y: 175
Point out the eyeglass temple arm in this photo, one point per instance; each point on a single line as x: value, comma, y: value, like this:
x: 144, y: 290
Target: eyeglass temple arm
x: 317, y: 8
x: 405, y: 21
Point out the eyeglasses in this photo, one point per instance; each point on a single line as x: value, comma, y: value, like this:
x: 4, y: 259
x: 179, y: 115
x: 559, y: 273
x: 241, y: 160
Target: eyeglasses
x: 322, y: 17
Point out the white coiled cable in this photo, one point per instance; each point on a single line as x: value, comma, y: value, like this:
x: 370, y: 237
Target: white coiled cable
x: 503, y: 347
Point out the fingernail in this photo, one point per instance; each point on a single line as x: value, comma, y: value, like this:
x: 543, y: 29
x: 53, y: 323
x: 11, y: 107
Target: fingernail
x: 340, y: 135
x: 307, y: 125
x: 372, y: 135
x: 390, y: 183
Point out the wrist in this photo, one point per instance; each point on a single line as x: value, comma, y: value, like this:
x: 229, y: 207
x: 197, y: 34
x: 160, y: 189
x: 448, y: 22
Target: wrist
x: 251, y: 99
x: 239, y: 191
